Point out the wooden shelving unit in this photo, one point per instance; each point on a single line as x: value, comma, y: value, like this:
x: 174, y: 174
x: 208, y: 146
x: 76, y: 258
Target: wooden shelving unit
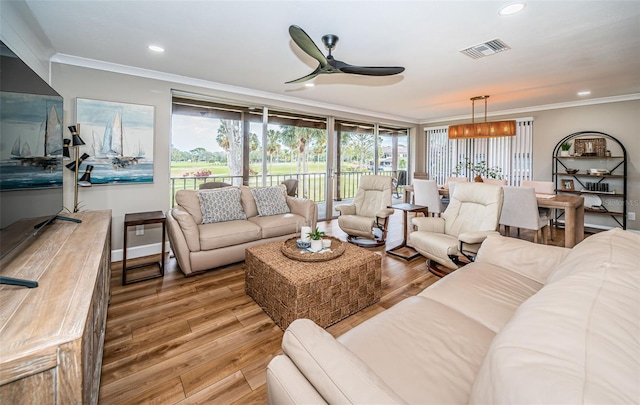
x: 608, y: 187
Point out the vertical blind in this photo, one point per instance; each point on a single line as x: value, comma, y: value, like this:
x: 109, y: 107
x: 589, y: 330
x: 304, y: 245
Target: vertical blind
x: 512, y: 154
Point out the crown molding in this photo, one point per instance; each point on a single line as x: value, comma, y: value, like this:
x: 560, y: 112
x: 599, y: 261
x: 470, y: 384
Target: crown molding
x: 190, y: 81
x: 556, y: 106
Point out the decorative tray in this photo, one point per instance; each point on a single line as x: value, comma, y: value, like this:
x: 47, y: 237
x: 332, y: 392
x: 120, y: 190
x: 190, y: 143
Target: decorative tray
x: 292, y: 251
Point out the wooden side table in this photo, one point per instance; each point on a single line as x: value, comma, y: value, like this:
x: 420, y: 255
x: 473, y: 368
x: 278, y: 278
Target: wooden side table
x: 143, y: 218
x: 399, y: 251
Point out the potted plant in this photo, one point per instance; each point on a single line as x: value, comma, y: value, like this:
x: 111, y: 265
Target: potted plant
x: 480, y: 169
x: 316, y: 240
x: 564, y: 148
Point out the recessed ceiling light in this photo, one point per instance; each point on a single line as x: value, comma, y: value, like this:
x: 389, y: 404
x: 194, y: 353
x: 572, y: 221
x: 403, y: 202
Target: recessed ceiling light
x: 584, y: 93
x: 309, y: 84
x: 511, y: 9
x: 156, y: 48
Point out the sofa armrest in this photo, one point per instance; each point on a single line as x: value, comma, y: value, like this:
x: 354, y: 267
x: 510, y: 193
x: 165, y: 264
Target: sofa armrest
x: 429, y: 224
x: 188, y: 226
x: 304, y: 207
x: 334, y: 371
x: 179, y: 241
x: 529, y: 259
x: 346, y: 209
x: 287, y: 386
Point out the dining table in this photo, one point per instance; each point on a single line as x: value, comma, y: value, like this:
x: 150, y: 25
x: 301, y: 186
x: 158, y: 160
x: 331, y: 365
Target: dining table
x: 572, y: 205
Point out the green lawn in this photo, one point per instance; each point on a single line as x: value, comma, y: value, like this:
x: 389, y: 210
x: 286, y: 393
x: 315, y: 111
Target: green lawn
x: 312, y: 184
x: 179, y: 169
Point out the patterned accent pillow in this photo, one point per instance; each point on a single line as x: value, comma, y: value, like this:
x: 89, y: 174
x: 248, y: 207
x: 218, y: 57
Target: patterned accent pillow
x: 220, y: 205
x: 270, y: 200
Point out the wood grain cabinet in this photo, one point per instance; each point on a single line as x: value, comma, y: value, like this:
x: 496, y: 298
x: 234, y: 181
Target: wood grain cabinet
x: 52, y: 336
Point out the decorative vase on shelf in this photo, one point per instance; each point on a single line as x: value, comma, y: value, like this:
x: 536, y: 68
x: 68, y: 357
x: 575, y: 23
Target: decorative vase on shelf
x: 316, y: 245
x: 478, y: 179
x: 564, y: 153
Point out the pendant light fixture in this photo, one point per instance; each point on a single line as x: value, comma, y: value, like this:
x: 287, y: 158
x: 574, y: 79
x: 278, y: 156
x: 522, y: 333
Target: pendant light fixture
x: 482, y: 129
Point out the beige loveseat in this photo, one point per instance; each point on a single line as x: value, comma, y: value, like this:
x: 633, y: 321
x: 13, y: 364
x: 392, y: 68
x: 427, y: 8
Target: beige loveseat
x: 524, y: 324
x: 202, y: 246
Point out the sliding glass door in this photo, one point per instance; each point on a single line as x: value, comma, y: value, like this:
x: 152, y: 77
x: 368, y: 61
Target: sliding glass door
x: 260, y: 146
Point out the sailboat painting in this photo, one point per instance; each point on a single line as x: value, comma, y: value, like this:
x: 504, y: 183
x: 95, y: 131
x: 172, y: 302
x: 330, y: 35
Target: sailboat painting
x: 117, y: 136
x: 30, y: 141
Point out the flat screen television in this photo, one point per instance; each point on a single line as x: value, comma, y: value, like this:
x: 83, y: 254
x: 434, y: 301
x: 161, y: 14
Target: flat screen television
x: 31, y: 153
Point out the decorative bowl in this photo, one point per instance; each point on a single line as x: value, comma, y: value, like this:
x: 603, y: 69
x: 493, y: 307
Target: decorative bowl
x: 302, y: 244
x: 572, y: 171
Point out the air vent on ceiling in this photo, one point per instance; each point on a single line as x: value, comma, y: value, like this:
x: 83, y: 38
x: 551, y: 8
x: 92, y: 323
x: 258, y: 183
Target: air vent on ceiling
x: 486, y: 49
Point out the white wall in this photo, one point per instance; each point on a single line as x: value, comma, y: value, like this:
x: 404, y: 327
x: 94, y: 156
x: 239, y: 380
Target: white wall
x: 618, y: 119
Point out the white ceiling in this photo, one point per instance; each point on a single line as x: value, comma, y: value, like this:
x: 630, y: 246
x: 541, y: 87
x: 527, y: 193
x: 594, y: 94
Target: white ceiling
x: 558, y: 49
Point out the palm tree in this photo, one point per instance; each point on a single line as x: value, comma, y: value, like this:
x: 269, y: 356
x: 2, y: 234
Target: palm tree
x: 301, y: 135
x: 273, y: 144
x: 359, y: 145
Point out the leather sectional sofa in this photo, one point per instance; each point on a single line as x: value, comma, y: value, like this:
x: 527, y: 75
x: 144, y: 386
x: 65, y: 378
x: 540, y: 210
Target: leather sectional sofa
x: 523, y: 324
x: 202, y: 246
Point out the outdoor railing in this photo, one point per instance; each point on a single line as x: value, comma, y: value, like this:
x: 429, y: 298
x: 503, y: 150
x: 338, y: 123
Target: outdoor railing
x: 310, y: 185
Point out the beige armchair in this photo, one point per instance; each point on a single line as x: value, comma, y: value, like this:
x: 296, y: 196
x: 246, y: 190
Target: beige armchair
x: 472, y: 214
x: 366, y: 219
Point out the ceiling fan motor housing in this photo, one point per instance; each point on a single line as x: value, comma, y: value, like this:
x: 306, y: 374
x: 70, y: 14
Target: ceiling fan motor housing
x: 330, y: 41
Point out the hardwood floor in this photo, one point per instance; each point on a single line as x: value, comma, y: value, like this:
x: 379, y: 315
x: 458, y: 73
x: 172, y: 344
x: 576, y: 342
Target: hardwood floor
x: 177, y: 340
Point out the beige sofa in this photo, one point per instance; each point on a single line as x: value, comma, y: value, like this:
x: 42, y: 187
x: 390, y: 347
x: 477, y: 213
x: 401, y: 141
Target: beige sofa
x: 524, y: 324
x: 202, y: 246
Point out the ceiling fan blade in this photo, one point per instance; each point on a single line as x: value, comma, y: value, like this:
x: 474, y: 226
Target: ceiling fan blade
x: 367, y: 70
x: 306, y: 44
x: 307, y: 77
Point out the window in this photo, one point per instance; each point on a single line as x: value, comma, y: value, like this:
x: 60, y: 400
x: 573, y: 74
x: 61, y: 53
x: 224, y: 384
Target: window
x: 512, y: 154
x: 219, y: 141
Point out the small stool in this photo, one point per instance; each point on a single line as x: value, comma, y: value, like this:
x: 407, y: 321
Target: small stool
x: 143, y: 218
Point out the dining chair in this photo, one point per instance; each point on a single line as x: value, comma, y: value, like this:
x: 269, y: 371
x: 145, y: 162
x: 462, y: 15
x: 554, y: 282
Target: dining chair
x: 455, y: 179
x: 544, y: 188
x: 425, y: 193
x: 451, y: 185
x: 520, y: 210
x: 490, y: 180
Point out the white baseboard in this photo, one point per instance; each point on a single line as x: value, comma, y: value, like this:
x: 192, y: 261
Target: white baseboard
x: 138, y: 251
x: 604, y: 228
x: 153, y: 249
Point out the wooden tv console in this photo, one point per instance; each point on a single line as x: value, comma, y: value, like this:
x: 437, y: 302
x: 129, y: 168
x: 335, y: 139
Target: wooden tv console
x: 52, y: 336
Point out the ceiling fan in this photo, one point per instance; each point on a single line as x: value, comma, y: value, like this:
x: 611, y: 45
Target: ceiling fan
x: 330, y: 65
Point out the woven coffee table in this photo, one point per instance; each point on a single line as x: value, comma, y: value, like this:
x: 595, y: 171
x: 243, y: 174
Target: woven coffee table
x: 325, y: 292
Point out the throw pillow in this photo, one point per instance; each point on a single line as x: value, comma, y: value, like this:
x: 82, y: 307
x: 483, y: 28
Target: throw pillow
x: 270, y: 200
x: 220, y: 205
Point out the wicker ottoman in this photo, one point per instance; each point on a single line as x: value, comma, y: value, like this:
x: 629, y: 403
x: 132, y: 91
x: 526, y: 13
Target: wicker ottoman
x: 325, y: 292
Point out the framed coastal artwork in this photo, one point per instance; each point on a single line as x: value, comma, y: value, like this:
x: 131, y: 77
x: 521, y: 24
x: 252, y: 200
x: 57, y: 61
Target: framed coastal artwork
x: 30, y: 141
x: 118, y: 138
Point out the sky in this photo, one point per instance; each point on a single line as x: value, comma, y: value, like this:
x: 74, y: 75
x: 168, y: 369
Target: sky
x: 188, y: 133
